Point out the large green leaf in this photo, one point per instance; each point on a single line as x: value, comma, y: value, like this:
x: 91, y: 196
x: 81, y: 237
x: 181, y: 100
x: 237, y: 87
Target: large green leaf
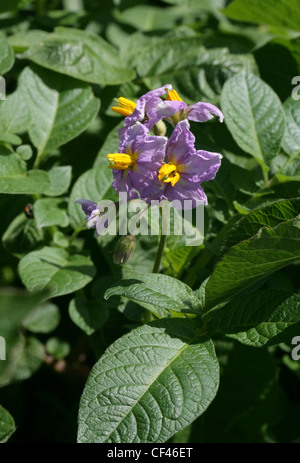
x: 149, y: 384
x: 7, y: 425
x: 291, y: 139
x: 267, y: 216
x: 53, y: 270
x: 158, y: 290
x: 6, y: 55
x: 15, y: 179
x: 280, y: 13
x: 60, y: 108
x: 82, y: 55
x: 254, y: 116
x: 195, y: 71
x: 258, y: 318
x: 253, y: 259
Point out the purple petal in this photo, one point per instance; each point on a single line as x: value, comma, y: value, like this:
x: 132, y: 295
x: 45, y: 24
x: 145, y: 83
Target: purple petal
x: 148, y: 185
x: 145, y: 104
x: 151, y: 152
x: 128, y: 136
x: 164, y: 109
x: 181, y: 143
x: 187, y: 191
x: 87, y: 206
x: 202, y: 112
x: 201, y: 166
x: 122, y: 184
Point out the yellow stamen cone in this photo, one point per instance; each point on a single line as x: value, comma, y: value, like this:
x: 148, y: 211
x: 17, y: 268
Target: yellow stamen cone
x: 125, y: 106
x: 119, y: 161
x: 168, y: 173
x: 173, y: 96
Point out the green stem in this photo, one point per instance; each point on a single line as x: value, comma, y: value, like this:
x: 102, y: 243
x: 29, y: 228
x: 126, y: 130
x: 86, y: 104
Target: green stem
x: 159, y: 253
x: 74, y: 234
x: 266, y: 178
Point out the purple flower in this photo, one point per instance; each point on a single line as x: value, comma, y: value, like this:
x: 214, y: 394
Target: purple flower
x: 91, y: 211
x: 146, y: 108
x: 183, y: 171
x: 95, y: 217
x: 198, y: 112
x: 150, y: 108
x: 138, y: 159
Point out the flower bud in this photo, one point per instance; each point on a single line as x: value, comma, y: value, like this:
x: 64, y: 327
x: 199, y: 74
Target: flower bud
x: 160, y: 128
x: 124, y: 249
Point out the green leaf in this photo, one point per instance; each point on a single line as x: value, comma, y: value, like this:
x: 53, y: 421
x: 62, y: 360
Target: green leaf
x: 7, y: 425
x: 60, y: 179
x: 10, y: 138
x: 95, y: 184
x: 15, y: 305
x: 25, y: 151
x: 110, y: 145
x: 81, y: 55
x: 60, y: 108
x: 26, y: 358
x: 158, y: 290
x: 14, y: 179
x: 192, y: 69
x: 48, y: 212
x: 88, y: 315
x: 6, y: 55
x: 13, y: 5
x: 58, y: 348
x: 149, y: 384
x: 254, y: 115
x: 253, y: 259
x: 290, y: 171
x: 22, y: 235
x: 267, y: 216
x: 291, y: 139
x: 259, y: 318
x: 176, y: 260
x: 247, y: 397
x: 14, y: 113
x: 22, y: 40
x: 279, y: 13
x: 43, y: 319
x: 54, y: 270
x: 147, y: 17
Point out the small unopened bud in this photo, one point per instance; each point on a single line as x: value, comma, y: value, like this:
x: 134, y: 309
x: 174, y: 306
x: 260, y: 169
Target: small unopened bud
x: 124, y: 249
x: 160, y: 128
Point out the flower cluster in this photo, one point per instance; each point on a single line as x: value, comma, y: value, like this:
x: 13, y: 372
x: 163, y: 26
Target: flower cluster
x: 153, y: 167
